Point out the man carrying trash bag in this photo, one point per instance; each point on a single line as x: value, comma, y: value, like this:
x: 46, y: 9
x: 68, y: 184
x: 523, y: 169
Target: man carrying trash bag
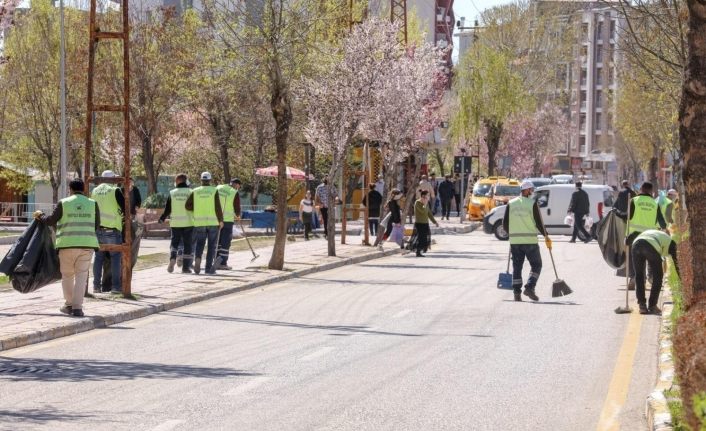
x: 76, y: 219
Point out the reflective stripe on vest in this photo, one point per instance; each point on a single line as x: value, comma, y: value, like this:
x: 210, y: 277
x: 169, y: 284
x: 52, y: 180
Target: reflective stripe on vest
x: 204, y: 206
x: 522, y: 227
x: 659, y: 240
x: 180, y: 217
x: 645, y: 216
x: 77, y: 226
x: 227, y: 194
x: 108, y: 206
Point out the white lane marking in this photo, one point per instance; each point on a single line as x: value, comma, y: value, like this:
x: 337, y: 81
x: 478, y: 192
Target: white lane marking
x: 249, y: 385
x: 366, y: 331
x: 402, y: 313
x: 321, y: 352
x: 430, y: 299
x: 168, y: 425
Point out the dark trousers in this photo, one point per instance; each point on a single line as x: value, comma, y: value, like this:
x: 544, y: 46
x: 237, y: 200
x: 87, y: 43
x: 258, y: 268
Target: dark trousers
x: 519, y: 253
x: 224, y: 240
x: 578, y: 226
x: 423, y: 236
x: 182, y: 235
x: 373, y: 223
x: 445, y: 207
x: 457, y: 199
x: 643, y: 253
x: 108, y: 236
x: 204, y: 233
x: 324, y: 215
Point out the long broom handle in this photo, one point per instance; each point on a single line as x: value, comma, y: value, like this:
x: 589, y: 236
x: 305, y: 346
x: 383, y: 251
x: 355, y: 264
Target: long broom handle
x: 627, y: 256
x: 240, y: 221
x: 551, y: 255
x: 509, y: 254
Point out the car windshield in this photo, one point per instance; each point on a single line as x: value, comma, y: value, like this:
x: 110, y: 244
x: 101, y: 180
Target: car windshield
x: 507, y: 191
x: 539, y: 182
x: 481, y: 190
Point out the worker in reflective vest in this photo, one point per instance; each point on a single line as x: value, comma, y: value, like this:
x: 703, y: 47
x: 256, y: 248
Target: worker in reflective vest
x: 649, y: 248
x: 181, y: 224
x: 111, y: 204
x: 644, y: 215
x: 76, y: 219
x: 230, y: 202
x: 522, y: 222
x: 208, y: 220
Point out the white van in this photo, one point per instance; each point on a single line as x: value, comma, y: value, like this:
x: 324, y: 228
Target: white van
x: 553, y: 203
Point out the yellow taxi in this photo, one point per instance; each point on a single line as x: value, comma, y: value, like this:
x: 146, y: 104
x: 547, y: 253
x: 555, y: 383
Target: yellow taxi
x: 489, y: 193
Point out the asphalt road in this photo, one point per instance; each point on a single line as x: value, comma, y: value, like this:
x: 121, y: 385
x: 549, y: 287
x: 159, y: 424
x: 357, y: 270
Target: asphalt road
x: 400, y: 343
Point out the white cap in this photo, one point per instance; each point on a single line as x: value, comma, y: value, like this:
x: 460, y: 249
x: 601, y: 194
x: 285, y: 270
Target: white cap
x: 672, y: 192
x: 526, y: 185
x: 206, y: 176
x: 108, y: 174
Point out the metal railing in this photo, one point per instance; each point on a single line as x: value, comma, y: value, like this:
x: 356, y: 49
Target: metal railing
x: 20, y: 212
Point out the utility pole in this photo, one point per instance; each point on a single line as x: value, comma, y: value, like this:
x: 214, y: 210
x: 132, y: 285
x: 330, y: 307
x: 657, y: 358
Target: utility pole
x: 63, y: 191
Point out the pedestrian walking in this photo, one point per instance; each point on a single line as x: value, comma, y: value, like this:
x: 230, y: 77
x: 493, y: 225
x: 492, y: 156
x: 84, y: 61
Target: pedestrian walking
x: 230, y: 203
x: 181, y: 224
x: 373, y: 200
x: 135, y: 197
x: 422, y: 215
x: 111, y: 204
x: 77, y: 218
x: 458, y: 182
x: 425, y: 185
x: 580, y: 206
x: 667, y: 207
x: 522, y: 222
x: 649, y: 248
x: 306, y: 213
x: 324, y: 192
x: 208, y: 220
x: 395, y: 221
x: 623, y: 199
x: 446, y: 193
x: 435, y: 187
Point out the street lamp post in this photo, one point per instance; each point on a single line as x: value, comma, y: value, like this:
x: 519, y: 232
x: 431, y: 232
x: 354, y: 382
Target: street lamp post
x: 63, y: 192
x: 463, y: 185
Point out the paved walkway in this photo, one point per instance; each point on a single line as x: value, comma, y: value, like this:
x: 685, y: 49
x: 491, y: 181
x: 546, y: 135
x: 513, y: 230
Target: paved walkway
x: 35, y: 317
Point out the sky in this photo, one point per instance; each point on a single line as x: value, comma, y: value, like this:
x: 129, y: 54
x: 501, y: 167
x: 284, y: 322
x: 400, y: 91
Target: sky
x: 471, y: 9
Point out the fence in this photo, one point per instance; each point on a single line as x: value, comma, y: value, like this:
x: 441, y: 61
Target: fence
x: 21, y: 213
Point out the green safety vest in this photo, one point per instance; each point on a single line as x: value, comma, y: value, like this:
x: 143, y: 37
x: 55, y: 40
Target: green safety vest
x: 77, y: 226
x: 108, y: 206
x: 227, y: 195
x: 522, y: 227
x: 204, y: 208
x: 657, y: 239
x: 180, y: 217
x: 645, y: 216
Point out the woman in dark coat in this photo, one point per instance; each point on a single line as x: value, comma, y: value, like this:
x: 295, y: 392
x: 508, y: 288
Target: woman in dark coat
x: 395, y: 214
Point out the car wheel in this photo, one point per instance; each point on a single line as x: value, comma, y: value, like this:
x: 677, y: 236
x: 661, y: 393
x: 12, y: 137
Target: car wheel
x: 500, y: 232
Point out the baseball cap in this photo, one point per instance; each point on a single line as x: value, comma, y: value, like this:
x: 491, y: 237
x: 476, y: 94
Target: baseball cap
x: 526, y: 185
x: 672, y: 192
x: 205, y: 175
x: 235, y: 181
x: 108, y: 174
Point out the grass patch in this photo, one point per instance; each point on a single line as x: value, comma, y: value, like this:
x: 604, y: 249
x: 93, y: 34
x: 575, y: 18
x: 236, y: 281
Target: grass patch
x: 676, y: 409
x: 8, y: 233
x: 677, y: 296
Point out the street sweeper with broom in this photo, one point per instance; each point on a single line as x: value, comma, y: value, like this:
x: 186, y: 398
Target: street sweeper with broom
x: 649, y: 248
x: 522, y: 221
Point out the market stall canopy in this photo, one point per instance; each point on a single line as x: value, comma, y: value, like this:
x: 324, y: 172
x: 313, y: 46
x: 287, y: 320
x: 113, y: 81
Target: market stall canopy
x: 292, y: 173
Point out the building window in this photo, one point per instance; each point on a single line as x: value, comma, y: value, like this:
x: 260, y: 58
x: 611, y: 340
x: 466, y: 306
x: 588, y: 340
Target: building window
x: 611, y: 75
x: 582, y: 123
x: 584, y: 31
x: 598, y: 121
x: 599, y: 31
x: 609, y: 122
x: 612, y: 29
x: 582, y: 144
x: 584, y: 75
x: 599, y: 99
x: 599, y: 76
x: 599, y: 54
x: 583, y: 99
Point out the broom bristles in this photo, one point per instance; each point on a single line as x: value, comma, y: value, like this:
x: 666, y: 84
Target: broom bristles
x: 560, y: 288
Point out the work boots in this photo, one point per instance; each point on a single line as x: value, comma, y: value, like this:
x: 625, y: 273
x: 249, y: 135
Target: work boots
x: 529, y: 292
x: 197, y: 265
x: 170, y: 267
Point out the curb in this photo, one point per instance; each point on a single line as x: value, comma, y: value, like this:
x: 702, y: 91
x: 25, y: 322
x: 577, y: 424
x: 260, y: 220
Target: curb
x: 657, y: 411
x: 93, y: 322
x: 7, y: 240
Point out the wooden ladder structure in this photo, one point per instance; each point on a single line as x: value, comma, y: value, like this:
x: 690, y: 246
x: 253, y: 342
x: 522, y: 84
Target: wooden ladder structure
x: 95, y: 36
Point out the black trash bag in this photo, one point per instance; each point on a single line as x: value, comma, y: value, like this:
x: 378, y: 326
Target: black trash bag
x: 39, y: 265
x: 611, y: 239
x: 106, y: 279
x: 13, y: 257
x: 413, y: 241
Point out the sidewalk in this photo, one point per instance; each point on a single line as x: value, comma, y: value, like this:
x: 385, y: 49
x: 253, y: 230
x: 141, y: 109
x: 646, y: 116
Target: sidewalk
x: 35, y: 317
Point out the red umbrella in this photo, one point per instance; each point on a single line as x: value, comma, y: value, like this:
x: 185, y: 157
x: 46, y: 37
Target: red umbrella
x: 292, y: 173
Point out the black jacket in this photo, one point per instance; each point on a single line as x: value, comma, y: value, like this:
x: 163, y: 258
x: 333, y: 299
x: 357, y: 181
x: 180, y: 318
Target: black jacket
x: 579, y: 202
x: 621, y: 203
x: 446, y: 190
x: 395, y: 214
x: 373, y: 201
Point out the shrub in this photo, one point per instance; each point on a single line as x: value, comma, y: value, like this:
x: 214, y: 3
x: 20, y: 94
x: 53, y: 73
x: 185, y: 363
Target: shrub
x: 155, y: 201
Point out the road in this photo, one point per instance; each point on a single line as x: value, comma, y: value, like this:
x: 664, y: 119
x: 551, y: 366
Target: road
x: 400, y: 343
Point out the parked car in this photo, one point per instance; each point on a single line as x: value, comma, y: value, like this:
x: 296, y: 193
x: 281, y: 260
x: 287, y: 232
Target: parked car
x: 562, y: 179
x: 539, y: 181
x: 489, y: 193
x: 553, y: 202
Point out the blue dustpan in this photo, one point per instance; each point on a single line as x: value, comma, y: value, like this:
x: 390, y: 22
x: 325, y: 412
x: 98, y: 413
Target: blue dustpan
x: 504, y: 280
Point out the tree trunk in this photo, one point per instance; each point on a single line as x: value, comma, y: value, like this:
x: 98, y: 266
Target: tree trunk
x: 653, y: 168
x: 148, y: 164
x: 282, y: 114
x: 440, y: 160
x: 492, y: 141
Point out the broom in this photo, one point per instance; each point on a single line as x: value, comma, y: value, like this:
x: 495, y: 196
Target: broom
x: 254, y: 255
x: 559, y: 287
x: 626, y: 309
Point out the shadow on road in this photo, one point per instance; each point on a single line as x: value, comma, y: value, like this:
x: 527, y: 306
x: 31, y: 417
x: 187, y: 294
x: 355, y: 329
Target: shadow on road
x: 52, y: 370
x: 545, y: 302
x: 341, y: 328
x: 39, y: 416
x: 392, y: 265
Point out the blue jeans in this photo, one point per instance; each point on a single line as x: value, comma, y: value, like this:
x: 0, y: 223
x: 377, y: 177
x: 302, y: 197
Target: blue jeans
x: 224, y: 243
x: 203, y: 233
x: 531, y: 252
x: 106, y: 236
x: 181, y: 236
